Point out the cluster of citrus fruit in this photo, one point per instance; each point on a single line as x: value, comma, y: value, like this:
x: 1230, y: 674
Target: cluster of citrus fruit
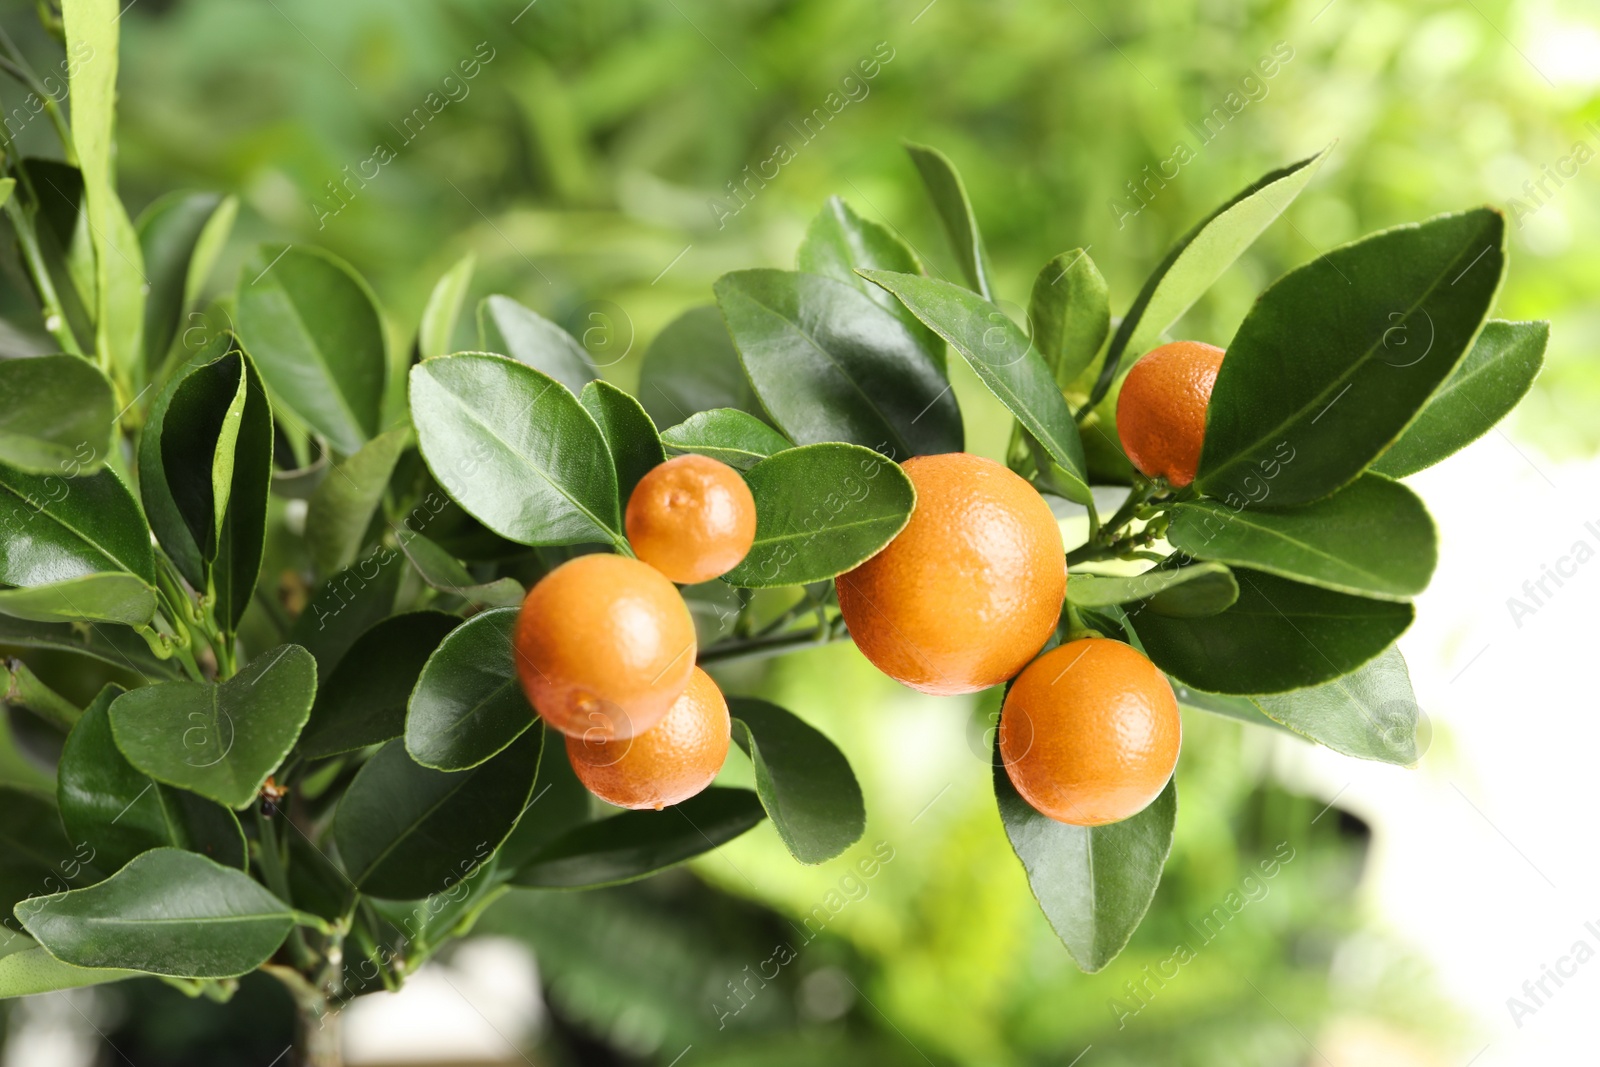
x: 962, y: 599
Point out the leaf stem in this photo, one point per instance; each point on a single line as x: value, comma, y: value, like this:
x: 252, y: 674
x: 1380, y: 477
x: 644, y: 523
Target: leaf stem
x: 773, y: 645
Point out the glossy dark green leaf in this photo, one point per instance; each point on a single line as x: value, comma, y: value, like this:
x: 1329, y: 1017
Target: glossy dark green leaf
x: 1094, y: 883
x: 244, y: 526
x: 341, y: 509
x: 1337, y: 357
x: 168, y: 912
x: 1200, y: 256
x: 838, y: 241
x: 830, y: 364
x: 559, y: 803
x: 950, y: 200
x: 1003, y: 358
x: 804, y: 781
x: 630, y: 435
x: 116, y: 645
x: 74, y: 548
x: 27, y: 969
x: 181, y: 235
x: 1496, y: 374
x: 1372, y: 538
x: 56, y: 415
x: 468, y: 705
x: 736, y: 438
x: 312, y: 326
x: 1187, y: 592
x: 444, y: 572
x: 90, y: 29
x: 1069, y: 314
x: 692, y: 367
x: 363, y: 700
x: 345, y: 606
x: 1280, y: 635
x: 509, y: 329
x: 821, y: 510
x: 636, y: 844
x: 443, y: 309
x: 1370, y: 713
x: 220, y: 741
x: 120, y: 812
x: 36, y: 857
x: 406, y: 831
x: 516, y: 450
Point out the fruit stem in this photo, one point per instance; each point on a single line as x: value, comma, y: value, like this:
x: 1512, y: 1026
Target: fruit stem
x: 771, y: 646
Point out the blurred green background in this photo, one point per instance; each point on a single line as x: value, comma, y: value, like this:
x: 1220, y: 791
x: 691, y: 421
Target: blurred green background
x: 596, y: 164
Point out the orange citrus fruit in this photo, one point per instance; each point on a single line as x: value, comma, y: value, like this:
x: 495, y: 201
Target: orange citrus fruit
x: 1161, y: 413
x: 1089, y: 733
x: 970, y: 590
x: 604, y: 644
x: 668, y: 763
x: 692, y: 518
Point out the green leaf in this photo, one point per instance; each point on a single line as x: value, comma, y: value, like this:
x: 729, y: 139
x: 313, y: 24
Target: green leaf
x: 26, y: 969
x: 57, y: 415
x: 804, y: 781
x: 1232, y: 707
x: 1370, y: 713
x: 6, y: 185
x: 821, y: 510
x: 468, y: 705
x: 61, y: 227
x: 180, y: 234
x: 630, y: 435
x: 74, y: 548
x: 342, y: 506
x: 168, y: 912
x: 559, y: 803
x: 116, y: 645
x: 1337, y: 357
x: 120, y: 812
x: 507, y: 328
x: 1372, y: 538
x: 1280, y: 635
x: 515, y: 450
x: 347, y: 605
x: 406, y: 831
x: 738, y: 439
x: 838, y: 241
x: 1199, y: 258
x: 35, y: 855
x: 221, y: 741
x: 313, y: 327
x: 363, y: 700
x: 1002, y: 357
x: 1069, y: 314
x: 950, y: 200
x: 443, y: 309
x: 830, y: 364
x: 1496, y: 374
x: 91, y: 30
x: 636, y: 844
x: 111, y: 597
x: 692, y: 367
x: 1185, y: 592
x: 444, y: 572
x: 205, y: 470
x: 1094, y: 883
